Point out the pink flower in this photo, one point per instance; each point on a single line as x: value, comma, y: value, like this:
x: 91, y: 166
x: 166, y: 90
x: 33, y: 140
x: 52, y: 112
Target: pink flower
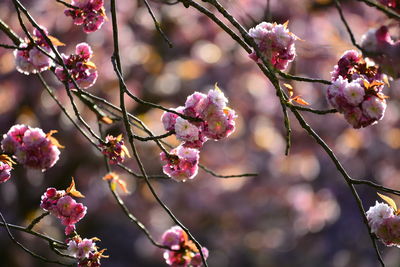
x: 186, y: 131
x: 114, y: 149
x: 354, y: 93
x: 374, y: 107
x: 182, y: 164
x: 275, y: 42
x: 31, y: 147
x: 182, y: 251
x: 13, y: 138
x: 80, y: 68
x: 90, y: 13
x: 220, y: 125
x: 29, y: 59
x: 5, y: 170
x: 196, y: 260
x: 356, y: 90
x: 174, y: 238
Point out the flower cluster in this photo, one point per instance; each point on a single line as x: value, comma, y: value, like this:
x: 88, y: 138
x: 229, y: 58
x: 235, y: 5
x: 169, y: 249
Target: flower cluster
x: 85, y: 251
x: 79, y: 66
x: 89, y: 13
x: 63, y: 206
x: 29, y: 59
x: 356, y: 90
x: 182, y: 251
x: 380, y: 47
x: 114, y: 149
x: 275, y: 42
x: 216, y: 121
x: 385, y: 223
x: 5, y: 168
x: 31, y: 146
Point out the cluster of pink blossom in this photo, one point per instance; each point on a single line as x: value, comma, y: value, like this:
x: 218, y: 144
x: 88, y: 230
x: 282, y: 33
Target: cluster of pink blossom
x: 215, y: 121
x: 380, y: 47
x: 5, y: 168
x: 275, y: 42
x: 394, y: 4
x: 90, y: 13
x: 114, y: 149
x: 385, y: 223
x: 356, y: 90
x: 31, y: 146
x: 85, y: 251
x: 79, y: 66
x: 63, y: 206
x: 182, y: 251
x: 29, y: 59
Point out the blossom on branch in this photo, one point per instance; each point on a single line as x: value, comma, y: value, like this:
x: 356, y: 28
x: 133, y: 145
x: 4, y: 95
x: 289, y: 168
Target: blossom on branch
x: 380, y: 47
x: 384, y: 221
x: 275, y: 42
x: 61, y: 204
x: 29, y: 59
x: 79, y: 66
x: 182, y: 251
x: 114, y: 149
x: 86, y: 251
x: 356, y: 90
x: 32, y: 147
x: 216, y: 121
x: 181, y: 163
x: 89, y: 13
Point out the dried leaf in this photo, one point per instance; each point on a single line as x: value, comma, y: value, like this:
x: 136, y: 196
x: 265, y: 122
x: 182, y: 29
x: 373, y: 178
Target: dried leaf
x: 289, y: 88
x: 386, y: 80
x: 382, y: 96
x: 7, y: 160
x: 376, y: 83
x: 286, y: 24
x: 126, y: 151
x: 300, y: 100
x: 119, y: 138
x: 90, y: 64
x: 55, y: 41
x: 110, y: 176
x: 72, y: 190
x: 106, y: 120
x: 389, y: 201
x: 366, y: 84
x: 53, y: 140
x: 115, y: 180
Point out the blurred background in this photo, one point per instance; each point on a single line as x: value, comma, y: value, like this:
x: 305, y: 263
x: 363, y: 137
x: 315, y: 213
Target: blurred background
x: 297, y: 212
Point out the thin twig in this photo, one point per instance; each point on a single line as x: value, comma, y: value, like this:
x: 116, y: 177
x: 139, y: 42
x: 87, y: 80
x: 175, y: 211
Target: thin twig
x: 157, y: 24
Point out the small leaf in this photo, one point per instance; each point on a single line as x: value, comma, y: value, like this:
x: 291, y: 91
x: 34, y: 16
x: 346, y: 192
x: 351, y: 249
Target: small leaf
x: 106, y: 120
x: 376, y: 83
x: 366, y: 84
x: 389, y: 201
x: 386, y: 80
x: 115, y: 180
x: 90, y: 64
x: 216, y: 87
x: 300, y: 100
x: 7, y: 160
x: 53, y: 140
x: 289, y: 88
x: 382, y: 96
x: 110, y: 176
x: 119, y: 138
x: 55, y: 41
x: 72, y: 190
x: 286, y: 24
x: 126, y: 151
